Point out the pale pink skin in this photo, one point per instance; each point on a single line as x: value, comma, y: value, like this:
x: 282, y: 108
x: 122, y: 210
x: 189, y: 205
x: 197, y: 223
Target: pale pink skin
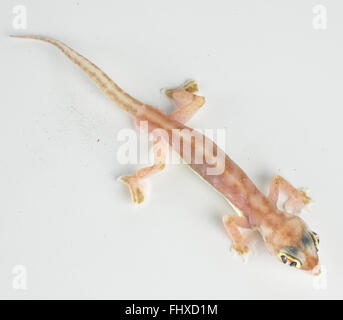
x: 280, y: 230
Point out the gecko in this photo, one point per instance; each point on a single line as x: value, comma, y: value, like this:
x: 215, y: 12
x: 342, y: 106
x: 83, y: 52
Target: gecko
x: 284, y: 232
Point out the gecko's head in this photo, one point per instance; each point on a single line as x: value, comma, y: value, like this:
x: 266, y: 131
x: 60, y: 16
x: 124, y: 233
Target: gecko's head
x: 296, y: 245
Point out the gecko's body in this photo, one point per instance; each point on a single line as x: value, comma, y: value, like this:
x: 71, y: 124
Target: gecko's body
x: 286, y: 235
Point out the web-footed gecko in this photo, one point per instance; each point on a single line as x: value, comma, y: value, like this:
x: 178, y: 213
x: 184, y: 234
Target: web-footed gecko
x: 285, y: 234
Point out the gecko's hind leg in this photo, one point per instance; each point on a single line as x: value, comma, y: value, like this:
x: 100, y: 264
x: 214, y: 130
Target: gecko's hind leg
x: 240, y: 232
x: 185, y: 100
x: 297, y: 198
x: 137, y: 180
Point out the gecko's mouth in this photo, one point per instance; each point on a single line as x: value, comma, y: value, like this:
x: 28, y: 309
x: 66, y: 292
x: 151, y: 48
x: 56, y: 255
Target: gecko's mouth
x: 286, y: 258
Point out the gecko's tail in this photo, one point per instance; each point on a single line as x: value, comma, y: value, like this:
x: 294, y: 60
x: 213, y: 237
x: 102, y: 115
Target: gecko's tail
x: 102, y: 80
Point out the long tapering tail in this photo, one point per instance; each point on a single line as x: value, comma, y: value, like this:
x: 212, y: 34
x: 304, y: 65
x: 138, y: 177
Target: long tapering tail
x: 102, y: 80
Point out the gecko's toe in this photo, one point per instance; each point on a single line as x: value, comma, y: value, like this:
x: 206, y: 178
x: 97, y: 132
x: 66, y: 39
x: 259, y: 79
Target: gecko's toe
x: 241, y: 252
x: 136, y: 187
x: 301, y: 202
x: 240, y: 249
x: 303, y: 194
x: 191, y: 86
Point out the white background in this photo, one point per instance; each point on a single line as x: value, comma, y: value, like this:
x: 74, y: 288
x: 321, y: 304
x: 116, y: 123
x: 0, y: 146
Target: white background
x: 270, y: 78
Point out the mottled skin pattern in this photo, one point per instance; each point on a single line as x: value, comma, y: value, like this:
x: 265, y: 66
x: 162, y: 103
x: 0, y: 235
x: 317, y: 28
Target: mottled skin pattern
x: 285, y: 234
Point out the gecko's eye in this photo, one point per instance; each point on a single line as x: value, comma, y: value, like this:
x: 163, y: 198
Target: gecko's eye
x: 315, y: 239
x: 288, y: 259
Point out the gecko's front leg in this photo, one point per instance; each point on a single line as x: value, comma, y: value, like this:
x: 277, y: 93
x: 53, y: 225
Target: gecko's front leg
x: 137, y: 180
x: 297, y: 198
x: 240, y: 232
